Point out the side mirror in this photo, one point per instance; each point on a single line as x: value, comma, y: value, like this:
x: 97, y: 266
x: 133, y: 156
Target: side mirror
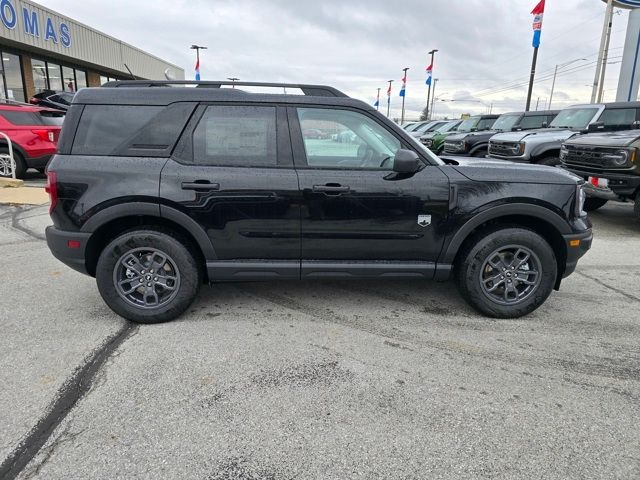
x: 474, y: 129
x: 594, y: 127
x: 406, y: 161
x: 544, y: 125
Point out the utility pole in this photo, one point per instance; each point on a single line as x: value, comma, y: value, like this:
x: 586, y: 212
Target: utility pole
x: 433, y: 99
x: 233, y: 80
x: 403, y: 92
x: 537, y: 104
x: 555, y: 73
x: 430, y: 70
x: 605, y: 57
x: 197, y: 48
x: 604, y: 41
x: 389, y: 98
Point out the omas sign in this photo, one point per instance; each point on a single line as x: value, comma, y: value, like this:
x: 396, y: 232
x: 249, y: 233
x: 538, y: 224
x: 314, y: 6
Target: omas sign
x: 26, y: 19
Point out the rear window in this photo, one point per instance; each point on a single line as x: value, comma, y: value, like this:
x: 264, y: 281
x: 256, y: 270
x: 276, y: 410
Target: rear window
x: 33, y: 118
x: 618, y: 116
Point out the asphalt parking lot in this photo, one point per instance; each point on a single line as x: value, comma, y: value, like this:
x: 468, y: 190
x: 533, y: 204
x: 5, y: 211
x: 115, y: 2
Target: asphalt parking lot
x: 320, y: 380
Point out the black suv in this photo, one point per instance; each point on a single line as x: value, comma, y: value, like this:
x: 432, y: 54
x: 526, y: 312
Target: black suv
x: 610, y: 162
x: 156, y: 191
x: 460, y: 143
x: 476, y: 143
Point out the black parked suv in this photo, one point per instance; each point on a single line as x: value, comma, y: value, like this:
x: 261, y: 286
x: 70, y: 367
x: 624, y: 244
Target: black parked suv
x: 610, y: 163
x: 156, y: 191
x: 463, y: 142
x: 476, y: 143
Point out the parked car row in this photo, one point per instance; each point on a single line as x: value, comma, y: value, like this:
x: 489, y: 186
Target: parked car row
x: 598, y: 142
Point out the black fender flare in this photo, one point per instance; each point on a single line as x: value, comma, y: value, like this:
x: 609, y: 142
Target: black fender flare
x: 542, y: 150
x: 479, y: 146
x: 153, y: 210
x: 492, y: 213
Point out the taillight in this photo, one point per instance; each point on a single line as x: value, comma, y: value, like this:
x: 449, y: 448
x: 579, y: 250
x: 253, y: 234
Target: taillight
x: 52, y: 189
x: 46, y: 135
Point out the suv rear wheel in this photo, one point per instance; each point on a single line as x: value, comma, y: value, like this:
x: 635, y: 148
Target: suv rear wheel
x: 506, y: 272
x: 5, y: 165
x: 148, y: 276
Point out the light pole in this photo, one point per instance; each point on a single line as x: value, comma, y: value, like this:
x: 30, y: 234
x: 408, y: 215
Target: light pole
x: 555, y: 73
x: 233, y: 80
x: 433, y: 100
x: 197, y: 48
x: 604, y: 46
x: 432, y: 53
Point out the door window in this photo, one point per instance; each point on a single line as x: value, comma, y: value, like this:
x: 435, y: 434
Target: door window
x: 241, y: 136
x: 485, y: 123
x: 534, y: 121
x: 345, y: 139
x: 618, y: 116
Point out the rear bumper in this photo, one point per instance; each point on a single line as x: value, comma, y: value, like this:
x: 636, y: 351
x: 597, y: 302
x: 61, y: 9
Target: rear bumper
x: 74, y: 257
x: 577, y: 246
x: 38, y: 162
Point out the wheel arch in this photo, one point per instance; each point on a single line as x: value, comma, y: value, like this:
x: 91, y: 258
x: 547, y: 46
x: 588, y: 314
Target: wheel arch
x: 479, y: 146
x: 539, y: 219
x: 113, y: 221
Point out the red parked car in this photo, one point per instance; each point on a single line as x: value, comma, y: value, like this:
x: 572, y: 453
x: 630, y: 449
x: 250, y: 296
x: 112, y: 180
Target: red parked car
x: 34, y: 133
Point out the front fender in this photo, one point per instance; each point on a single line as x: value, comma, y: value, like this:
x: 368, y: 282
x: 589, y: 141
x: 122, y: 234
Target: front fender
x: 492, y: 213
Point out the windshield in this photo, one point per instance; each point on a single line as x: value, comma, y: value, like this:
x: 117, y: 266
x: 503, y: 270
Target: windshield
x: 413, y: 127
x: 505, y: 123
x: 468, y: 124
x: 448, y: 127
x: 574, y: 118
x: 425, y: 127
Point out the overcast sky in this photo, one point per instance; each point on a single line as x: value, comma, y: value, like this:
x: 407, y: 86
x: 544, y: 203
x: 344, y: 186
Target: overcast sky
x: 357, y: 45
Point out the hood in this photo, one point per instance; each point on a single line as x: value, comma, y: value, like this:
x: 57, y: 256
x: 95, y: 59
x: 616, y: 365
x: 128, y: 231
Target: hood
x: 487, y: 170
x: 471, y: 136
x: 543, y: 134
x: 429, y: 134
x: 608, y: 139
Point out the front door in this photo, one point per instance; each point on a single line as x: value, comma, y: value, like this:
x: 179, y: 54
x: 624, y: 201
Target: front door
x: 358, y: 216
x: 233, y: 174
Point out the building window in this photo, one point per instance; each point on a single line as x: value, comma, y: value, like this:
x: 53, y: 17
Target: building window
x: 81, y: 79
x: 68, y: 80
x: 39, y: 69
x: 55, y: 76
x: 11, y: 73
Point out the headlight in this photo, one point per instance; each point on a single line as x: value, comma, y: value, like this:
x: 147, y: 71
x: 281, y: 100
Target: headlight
x: 518, y: 149
x: 563, y: 152
x: 580, y: 198
x: 427, y: 142
x: 620, y: 158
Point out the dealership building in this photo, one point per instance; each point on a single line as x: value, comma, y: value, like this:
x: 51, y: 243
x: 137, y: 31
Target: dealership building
x: 43, y: 50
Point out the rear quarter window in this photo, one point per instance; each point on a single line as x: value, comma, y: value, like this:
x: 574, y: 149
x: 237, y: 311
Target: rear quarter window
x: 130, y: 130
x: 22, y: 118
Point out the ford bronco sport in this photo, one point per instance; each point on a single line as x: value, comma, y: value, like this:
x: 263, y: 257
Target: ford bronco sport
x: 155, y: 191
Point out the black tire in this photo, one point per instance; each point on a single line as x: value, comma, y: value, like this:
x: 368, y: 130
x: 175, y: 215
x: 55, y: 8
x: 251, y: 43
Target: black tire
x: 636, y: 206
x: 187, y: 275
x: 472, y: 265
x: 21, y: 166
x: 552, y: 161
x: 592, y: 203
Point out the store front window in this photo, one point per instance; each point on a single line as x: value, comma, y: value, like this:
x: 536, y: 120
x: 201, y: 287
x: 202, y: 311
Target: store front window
x: 81, y: 79
x: 39, y: 69
x: 11, y: 83
x: 68, y: 80
x: 55, y: 77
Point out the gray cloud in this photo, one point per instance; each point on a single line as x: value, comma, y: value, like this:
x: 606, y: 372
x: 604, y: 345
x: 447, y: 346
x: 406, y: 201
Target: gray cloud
x: 358, y: 45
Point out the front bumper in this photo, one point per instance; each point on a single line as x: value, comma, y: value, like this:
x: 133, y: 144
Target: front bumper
x: 577, y: 245
x: 68, y: 247
x: 620, y: 185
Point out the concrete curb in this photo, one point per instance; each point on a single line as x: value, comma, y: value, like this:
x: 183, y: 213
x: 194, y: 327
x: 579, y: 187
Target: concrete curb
x: 10, y: 183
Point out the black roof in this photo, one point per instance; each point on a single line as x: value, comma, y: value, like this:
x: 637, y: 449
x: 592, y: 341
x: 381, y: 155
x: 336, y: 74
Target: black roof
x: 534, y: 113
x: 149, y: 92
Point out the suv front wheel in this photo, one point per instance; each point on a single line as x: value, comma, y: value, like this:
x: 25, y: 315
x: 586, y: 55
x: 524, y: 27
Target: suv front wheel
x: 148, y: 276
x: 506, y: 272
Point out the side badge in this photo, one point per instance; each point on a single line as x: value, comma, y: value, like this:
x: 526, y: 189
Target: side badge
x: 424, y: 220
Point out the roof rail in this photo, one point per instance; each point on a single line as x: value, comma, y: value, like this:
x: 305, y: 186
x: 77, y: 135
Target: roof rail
x: 310, y: 90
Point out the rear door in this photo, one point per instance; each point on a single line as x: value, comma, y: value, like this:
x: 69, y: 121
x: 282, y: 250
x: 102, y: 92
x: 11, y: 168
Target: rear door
x: 358, y: 216
x: 232, y: 173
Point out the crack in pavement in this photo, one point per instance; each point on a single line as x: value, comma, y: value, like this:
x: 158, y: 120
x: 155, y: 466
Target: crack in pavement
x: 76, y: 387
x: 617, y: 290
x: 15, y: 223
